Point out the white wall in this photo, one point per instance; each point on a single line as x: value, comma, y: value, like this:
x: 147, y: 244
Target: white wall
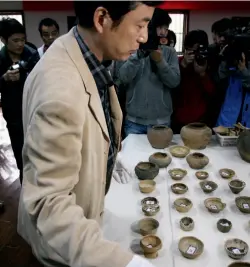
x: 203, y: 20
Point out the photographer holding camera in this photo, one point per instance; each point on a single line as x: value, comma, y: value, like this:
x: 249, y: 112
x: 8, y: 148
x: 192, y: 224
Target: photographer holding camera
x: 196, y: 87
x: 148, y: 76
x: 16, y: 61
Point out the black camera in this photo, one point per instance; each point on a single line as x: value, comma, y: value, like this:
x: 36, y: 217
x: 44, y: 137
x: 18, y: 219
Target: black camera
x: 201, y: 55
x: 153, y: 39
x: 20, y: 65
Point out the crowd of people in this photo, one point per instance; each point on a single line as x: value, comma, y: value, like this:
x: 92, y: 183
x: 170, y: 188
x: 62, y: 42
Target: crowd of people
x: 62, y: 105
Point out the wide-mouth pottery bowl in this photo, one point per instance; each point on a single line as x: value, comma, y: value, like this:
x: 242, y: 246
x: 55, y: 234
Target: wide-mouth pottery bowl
x: 162, y: 160
x: 146, y: 170
x: 239, y: 264
x: 187, y: 224
x: 236, y: 186
x: 150, y: 201
x: 236, y: 248
x: 202, y: 175
x: 150, y: 245
x: 179, y: 151
x: 214, y: 204
x: 179, y: 188
x: 197, y: 160
x: 177, y: 174
x: 224, y: 225
x: 208, y: 186
x: 150, y: 210
x: 147, y: 186
x: 183, y: 204
x: 148, y: 226
x: 190, y: 247
x: 243, y: 204
x: 227, y: 173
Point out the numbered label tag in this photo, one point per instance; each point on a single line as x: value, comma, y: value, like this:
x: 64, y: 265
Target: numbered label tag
x: 150, y: 202
x: 236, y: 251
x: 213, y: 207
x: 245, y: 206
x: 182, y: 205
x: 208, y: 187
x: 191, y: 250
x: 177, y: 175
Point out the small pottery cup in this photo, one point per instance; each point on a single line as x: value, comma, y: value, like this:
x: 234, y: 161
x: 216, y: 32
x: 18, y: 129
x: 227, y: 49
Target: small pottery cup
x: 227, y: 173
x: 243, y: 204
x: 187, y: 224
x: 224, y: 225
x: 214, y: 205
x: 150, y: 245
x: 236, y: 248
x: 177, y: 174
x: 190, y: 247
x: 183, y: 204
x: 148, y: 226
x: 236, y: 186
x: 179, y: 188
x: 208, y: 186
x: 239, y: 264
x: 147, y: 186
x: 150, y: 210
x: 162, y: 160
x: 179, y: 151
x: 150, y: 201
x: 202, y: 175
x: 197, y: 161
x: 146, y: 170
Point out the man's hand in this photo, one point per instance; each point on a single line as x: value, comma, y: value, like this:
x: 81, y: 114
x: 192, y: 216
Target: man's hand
x: 242, y: 63
x: 201, y: 70
x: 156, y: 55
x: 12, y: 76
x: 188, y: 58
x: 120, y: 173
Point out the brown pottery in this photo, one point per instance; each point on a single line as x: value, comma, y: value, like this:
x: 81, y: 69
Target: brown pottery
x: 243, y: 145
x: 159, y: 136
x: 197, y: 161
x: 196, y: 135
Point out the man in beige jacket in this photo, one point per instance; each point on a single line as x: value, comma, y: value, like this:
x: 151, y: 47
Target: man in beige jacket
x: 72, y: 122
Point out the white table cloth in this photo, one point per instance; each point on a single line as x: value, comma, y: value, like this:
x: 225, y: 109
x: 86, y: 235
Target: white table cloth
x: 123, y: 208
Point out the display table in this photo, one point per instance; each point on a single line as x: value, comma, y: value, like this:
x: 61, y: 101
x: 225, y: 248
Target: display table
x: 123, y: 208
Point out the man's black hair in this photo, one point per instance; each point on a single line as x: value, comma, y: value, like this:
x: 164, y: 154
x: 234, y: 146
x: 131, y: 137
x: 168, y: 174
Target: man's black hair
x: 222, y: 26
x: 161, y: 18
x: 171, y: 37
x: 85, y: 10
x: 48, y: 22
x: 9, y: 27
x: 196, y: 37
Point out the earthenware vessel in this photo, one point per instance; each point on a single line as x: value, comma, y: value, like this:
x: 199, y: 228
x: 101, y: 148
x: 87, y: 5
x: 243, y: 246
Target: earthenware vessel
x: 214, y: 205
x: 227, y: 173
x: 196, y: 135
x: 147, y: 186
x: 179, y: 188
x: 183, y: 204
x: 239, y: 264
x: 177, y: 174
x: 243, y: 204
x: 148, y: 226
x: 202, y: 175
x: 224, y: 225
x: 190, y: 247
x: 236, y: 186
x: 162, y: 160
x: 208, y: 186
x: 179, y: 151
x: 243, y: 145
x: 159, y: 136
x: 150, y: 245
x: 150, y: 201
x: 187, y: 224
x: 146, y: 170
x: 150, y: 210
x: 197, y: 161
x: 236, y: 248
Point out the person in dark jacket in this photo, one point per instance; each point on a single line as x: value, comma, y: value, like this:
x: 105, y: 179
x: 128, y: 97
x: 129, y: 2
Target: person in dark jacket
x: 16, y: 61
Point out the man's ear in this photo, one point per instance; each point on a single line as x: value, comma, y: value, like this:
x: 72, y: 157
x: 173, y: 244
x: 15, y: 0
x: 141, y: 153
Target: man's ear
x: 101, y: 19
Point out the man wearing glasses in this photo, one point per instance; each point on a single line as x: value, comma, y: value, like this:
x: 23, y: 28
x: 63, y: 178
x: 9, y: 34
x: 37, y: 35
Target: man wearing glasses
x: 49, y: 31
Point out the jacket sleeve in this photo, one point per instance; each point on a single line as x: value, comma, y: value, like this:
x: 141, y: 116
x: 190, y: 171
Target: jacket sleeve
x: 168, y: 68
x: 245, y: 76
x: 53, y: 145
x: 129, y: 69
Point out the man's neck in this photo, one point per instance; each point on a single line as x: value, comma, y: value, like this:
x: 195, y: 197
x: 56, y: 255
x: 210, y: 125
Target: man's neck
x: 90, y: 39
x: 14, y: 57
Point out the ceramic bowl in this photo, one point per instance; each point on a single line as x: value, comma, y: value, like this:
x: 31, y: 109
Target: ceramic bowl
x: 243, y: 204
x: 187, y: 224
x: 147, y: 186
x: 190, y: 247
x: 224, y: 225
x: 162, y: 160
x: 236, y: 248
x: 146, y: 170
x: 214, y: 205
x: 183, y: 204
x: 179, y: 151
x: 177, y: 174
x: 202, y: 175
x: 150, y: 201
x: 239, y: 264
x: 197, y: 161
x: 227, y: 173
x: 236, y: 186
x: 150, y: 245
x: 179, y: 188
x: 148, y: 226
x: 150, y: 210
x: 208, y: 186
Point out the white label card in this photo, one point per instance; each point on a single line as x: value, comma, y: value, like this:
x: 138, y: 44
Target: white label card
x: 191, y: 250
x: 236, y: 251
x: 213, y: 207
x: 208, y: 187
x: 245, y: 206
x: 182, y: 205
x: 150, y: 202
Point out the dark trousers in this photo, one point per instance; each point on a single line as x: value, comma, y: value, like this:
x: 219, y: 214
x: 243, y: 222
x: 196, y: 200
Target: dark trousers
x: 17, y: 138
